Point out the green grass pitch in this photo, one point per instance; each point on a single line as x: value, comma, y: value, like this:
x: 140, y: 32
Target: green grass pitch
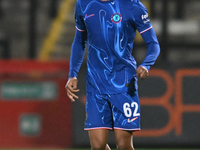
x: 149, y: 149
x: 113, y: 149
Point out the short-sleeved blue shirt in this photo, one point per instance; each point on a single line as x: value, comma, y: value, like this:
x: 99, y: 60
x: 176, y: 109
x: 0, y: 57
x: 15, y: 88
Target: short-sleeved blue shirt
x: 111, y: 26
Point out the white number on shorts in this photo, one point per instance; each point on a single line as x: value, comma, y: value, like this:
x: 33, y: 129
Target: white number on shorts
x: 128, y: 111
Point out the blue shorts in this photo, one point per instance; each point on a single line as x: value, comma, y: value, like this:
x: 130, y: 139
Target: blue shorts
x: 115, y: 111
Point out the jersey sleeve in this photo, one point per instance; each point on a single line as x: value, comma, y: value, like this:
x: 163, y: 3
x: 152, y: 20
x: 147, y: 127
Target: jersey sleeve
x: 80, y: 25
x: 141, y: 18
x: 153, y: 48
x: 78, y: 45
x: 143, y: 25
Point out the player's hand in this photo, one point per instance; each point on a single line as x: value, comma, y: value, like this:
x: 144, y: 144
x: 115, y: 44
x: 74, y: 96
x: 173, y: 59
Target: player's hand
x: 71, y: 88
x: 142, y: 72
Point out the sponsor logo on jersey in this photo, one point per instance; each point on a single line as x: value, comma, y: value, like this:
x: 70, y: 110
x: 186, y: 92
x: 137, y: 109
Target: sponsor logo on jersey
x: 116, y: 18
x: 88, y: 16
x: 131, y: 120
x: 145, y: 18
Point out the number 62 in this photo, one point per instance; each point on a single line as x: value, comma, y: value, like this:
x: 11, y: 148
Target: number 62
x: 127, y: 109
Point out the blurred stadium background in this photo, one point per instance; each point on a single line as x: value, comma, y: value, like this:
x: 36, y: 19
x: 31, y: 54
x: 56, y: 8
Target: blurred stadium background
x: 35, y: 41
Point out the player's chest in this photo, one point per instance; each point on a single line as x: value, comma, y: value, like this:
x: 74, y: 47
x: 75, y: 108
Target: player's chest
x: 109, y: 15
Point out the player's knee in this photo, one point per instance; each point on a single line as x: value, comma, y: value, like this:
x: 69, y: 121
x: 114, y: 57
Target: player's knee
x: 121, y: 147
x: 124, y: 147
x: 98, y: 146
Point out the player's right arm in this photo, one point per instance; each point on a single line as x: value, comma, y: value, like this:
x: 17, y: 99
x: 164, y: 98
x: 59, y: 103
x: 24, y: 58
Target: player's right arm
x: 71, y: 88
x: 77, y: 54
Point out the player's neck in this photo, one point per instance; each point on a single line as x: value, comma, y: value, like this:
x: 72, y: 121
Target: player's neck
x: 106, y: 0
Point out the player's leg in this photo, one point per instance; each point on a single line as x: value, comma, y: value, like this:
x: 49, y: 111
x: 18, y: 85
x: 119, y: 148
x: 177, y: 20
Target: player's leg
x: 98, y: 139
x: 98, y: 120
x: 126, y: 116
x: 124, y: 140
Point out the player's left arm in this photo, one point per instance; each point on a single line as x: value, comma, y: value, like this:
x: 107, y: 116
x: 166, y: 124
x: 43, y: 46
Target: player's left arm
x: 145, y: 28
x: 153, y: 50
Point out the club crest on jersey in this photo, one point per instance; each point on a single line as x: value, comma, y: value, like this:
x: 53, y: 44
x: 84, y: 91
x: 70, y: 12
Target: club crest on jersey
x: 116, y: 18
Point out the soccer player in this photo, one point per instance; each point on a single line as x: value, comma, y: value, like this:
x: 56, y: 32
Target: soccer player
x: 109, y: 27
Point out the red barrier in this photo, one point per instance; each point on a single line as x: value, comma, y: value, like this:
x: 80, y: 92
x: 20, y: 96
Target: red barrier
x: 34, y: 109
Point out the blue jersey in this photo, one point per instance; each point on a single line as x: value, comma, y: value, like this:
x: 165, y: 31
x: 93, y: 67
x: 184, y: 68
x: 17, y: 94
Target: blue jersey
x: 109, y: 27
